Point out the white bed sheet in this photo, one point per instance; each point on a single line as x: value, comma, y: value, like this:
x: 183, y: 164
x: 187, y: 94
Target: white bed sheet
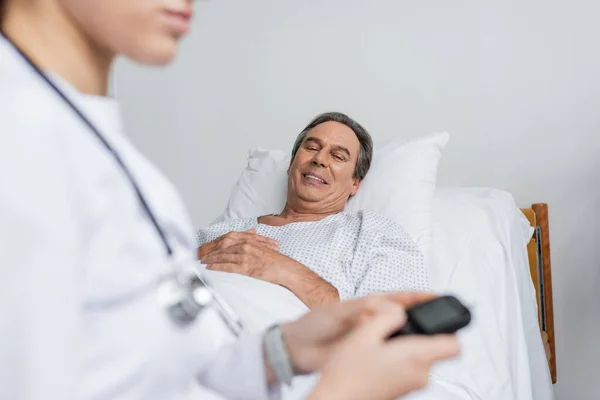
x: 479, y: 255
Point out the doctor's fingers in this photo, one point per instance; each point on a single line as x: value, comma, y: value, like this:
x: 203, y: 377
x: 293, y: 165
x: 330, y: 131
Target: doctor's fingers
x: 337, y: 320
x: 375, y: 305
x: 383, y: 323
x: 399, y: 299
x: 409, y: 299
x: 366, y: 307
x: 424, y: 351
x: 366, y: 365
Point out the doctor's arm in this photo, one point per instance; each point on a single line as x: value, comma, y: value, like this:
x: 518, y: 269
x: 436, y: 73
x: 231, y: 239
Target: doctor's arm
x: 40, y: 270
x: 347, y: 343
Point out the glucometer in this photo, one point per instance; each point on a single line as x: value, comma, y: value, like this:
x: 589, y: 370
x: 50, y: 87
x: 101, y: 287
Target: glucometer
x: 445, y: 314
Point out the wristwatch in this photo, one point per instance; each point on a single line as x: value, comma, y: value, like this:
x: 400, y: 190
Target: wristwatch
x: 277, y: 355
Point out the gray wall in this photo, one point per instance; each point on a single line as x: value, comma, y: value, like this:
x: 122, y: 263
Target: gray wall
x: 516, y: 83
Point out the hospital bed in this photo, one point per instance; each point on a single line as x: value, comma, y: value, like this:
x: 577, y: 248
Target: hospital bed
x: 538, y: 252
x: 496, y: 257
x: 490, y: 253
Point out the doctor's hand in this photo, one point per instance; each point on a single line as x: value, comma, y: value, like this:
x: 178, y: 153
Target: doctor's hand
x: 314, y: 338
x: 249, y: 237
x: 366, y: 365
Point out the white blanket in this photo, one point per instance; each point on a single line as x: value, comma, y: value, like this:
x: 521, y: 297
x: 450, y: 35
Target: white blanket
x: 260, y: 304
x: 257, y: 303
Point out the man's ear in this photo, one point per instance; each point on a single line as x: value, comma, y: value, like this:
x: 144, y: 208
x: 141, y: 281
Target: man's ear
x: 355, y: 186
x: 290, y: 166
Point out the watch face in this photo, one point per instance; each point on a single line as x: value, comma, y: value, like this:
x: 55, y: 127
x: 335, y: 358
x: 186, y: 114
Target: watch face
x: 439, y: 315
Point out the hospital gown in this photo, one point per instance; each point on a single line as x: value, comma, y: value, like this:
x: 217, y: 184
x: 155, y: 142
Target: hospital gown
x: 358, y: 254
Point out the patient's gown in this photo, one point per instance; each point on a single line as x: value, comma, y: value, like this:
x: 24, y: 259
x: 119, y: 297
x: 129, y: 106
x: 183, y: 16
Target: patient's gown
x: 358, y: 254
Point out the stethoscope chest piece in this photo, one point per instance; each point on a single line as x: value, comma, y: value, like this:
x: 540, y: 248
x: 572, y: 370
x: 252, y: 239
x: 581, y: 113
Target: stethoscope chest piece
x: 184, y: 300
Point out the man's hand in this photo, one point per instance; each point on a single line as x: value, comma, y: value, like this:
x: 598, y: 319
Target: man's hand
x: 237, y: 238
x: 258, y: 261
x: 251, y: 258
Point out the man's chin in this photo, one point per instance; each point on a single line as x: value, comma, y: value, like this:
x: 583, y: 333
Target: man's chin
x: 310, y: 198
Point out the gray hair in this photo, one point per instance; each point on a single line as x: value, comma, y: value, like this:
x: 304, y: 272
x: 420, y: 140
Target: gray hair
x: 365, y: 154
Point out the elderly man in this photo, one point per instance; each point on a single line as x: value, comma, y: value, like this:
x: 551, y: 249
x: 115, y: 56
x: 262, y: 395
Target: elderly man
x: 313, y: 248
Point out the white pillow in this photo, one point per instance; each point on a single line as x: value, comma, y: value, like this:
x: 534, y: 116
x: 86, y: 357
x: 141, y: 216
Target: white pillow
x: 399, y: 185
x: 262, y: 187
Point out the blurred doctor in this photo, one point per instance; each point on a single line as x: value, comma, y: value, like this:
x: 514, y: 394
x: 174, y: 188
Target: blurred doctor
x: 97, y: 251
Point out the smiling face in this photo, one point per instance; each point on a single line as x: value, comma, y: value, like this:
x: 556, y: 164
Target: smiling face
x: 321, y: 175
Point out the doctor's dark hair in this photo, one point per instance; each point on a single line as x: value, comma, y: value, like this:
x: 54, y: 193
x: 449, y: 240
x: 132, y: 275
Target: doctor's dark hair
x: 365, y: 155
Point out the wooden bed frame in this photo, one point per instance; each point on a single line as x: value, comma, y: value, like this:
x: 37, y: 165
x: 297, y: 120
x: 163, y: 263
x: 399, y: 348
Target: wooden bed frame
x: 538, y: 250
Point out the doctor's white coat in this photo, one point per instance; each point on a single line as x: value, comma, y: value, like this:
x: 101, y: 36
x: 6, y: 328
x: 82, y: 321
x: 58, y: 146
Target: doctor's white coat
x: 79, y: 262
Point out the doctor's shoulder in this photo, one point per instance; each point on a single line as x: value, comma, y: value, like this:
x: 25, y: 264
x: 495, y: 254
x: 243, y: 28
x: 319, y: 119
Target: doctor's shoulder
x: 30, y: 115
x: 39, y: 174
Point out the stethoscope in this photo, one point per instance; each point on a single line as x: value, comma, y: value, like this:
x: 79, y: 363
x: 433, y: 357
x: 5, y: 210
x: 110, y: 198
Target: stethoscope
x: 183, y: 293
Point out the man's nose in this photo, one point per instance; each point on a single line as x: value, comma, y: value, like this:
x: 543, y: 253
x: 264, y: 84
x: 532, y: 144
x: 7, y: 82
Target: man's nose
x: 320, y: 159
